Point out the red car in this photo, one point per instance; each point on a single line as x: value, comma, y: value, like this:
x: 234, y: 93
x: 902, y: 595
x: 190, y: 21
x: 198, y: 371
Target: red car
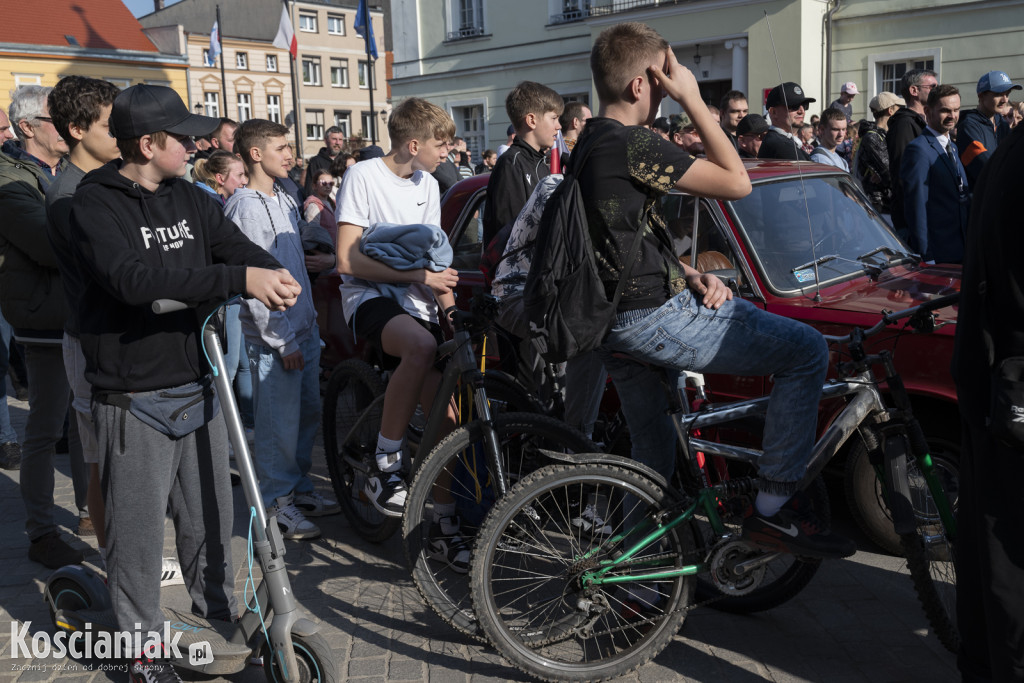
x: 805, y: 244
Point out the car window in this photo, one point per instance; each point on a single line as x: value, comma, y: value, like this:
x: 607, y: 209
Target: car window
x: 712, y: 250
x: 467, y: 237
x: 793, y: 222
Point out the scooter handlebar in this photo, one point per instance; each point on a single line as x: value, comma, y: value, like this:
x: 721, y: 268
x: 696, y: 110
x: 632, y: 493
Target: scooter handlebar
x: 168, y: 306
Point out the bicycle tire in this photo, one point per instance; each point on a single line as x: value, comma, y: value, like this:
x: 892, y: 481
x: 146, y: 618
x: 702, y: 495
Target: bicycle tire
x: 351, y: 423
x: 543, y: 620
x: 929, y: 553
x: 520, y: 435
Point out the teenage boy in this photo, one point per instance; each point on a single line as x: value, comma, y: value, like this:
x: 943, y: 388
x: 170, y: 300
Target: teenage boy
x: 831, y: 132
x: 284, y: 346
x: 398, y: 189
x: 141, y: 233
x: 673, y: 316
x: 80, y: 109
x: 534, y: 110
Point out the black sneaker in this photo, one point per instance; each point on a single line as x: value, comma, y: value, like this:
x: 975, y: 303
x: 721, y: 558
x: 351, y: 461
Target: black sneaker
x: 10, y: 455
x: 451, y: 548
x: 798, y: 532
x: 53, y: 552
x: 152, y: 671
x: 387, y: 491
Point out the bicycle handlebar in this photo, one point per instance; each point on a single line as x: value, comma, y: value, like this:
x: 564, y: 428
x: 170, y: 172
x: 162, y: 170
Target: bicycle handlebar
x: 888, y: 318
x: 161, y: 306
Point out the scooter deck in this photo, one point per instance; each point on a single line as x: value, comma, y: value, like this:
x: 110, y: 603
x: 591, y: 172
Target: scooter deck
x: 228, y: 656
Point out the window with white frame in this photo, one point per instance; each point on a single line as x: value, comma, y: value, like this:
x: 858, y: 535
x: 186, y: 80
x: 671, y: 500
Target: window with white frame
x: 244, y: 106
x: 311, y: 71
x: 886, y: 70
x: 271, y: 62
x: 241, y: 60
x: 465, y: 19
x: 366, y: 75
x: 307, y: 22
x: 206, y: 56
x: 339, y: 73
x: 336, y: 24
x: 469, y: 124
x: 581, y: 97
x: 211, y: 103
x: 314, y: 124
x: 369, y: 122
x: 343, y: 120
x: 274, y: 108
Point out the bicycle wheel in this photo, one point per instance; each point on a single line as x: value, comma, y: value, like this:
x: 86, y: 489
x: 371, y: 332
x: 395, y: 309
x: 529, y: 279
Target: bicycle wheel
x: 531, y: 556
x: 929, y: 553
x: 459, y: 466
x: 351, y: 423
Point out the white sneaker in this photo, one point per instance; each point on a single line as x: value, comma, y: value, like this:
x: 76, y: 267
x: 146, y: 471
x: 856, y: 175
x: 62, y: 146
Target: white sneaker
x: 291, y: 521
x: 387, y: 491
x: 315, y: 504
x: 592, y: 523
x: 171, y: 573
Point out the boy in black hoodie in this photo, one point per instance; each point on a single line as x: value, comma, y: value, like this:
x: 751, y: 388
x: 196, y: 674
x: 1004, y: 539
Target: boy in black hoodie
x: 142, y: 233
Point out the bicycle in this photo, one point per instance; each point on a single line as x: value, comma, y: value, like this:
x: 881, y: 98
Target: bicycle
x: 353, y: 405
x: 501, y: 442
x: 563, y: 605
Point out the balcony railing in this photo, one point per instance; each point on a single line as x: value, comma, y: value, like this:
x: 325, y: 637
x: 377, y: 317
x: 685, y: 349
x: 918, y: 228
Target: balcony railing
x: 465, y: 32
x: 600, y: 8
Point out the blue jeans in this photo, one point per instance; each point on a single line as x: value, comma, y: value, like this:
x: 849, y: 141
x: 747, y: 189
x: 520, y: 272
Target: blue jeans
x: 737, y: 339
x: 236, y: 360
x: 7, y: 433
x: 287, y: 404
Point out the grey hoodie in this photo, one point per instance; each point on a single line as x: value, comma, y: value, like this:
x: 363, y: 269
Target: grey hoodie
x: 262, y: 219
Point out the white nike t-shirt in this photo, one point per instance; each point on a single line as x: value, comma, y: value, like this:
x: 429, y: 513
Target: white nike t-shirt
x: 371, y: 193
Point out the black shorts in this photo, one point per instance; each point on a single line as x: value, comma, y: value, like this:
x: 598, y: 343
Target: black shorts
x: 373, y: 315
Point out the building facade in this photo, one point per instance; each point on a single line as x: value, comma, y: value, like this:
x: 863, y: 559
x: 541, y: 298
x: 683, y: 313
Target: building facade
x: 99, y: 39
x: 465, y: 55
x: 322, y: 87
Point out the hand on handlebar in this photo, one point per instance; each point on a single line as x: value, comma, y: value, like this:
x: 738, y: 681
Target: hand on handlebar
x: 275, y: 289
x: 443, y: 282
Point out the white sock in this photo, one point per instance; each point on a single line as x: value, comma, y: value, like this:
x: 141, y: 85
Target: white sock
x: 389, y: 454
x: 443, y: 510
x: 768, y: 504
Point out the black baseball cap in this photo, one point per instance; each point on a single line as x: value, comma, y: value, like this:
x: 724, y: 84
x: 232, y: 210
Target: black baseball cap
x: 794, y: 96
x: 145, y: 109
x: 661, y: 123
x: 751, y: 124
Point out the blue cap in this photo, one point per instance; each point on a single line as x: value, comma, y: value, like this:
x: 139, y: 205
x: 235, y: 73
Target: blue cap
x: 996, y: 81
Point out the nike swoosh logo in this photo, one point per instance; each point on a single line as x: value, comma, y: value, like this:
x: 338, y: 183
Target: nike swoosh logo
x: 790, y: 531
x: 421, y: 203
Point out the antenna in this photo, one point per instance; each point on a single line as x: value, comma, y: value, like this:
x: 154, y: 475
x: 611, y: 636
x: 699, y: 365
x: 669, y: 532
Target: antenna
x: 799, y: 171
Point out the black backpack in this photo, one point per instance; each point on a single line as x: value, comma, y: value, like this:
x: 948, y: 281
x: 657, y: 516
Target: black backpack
x: 564, y: 298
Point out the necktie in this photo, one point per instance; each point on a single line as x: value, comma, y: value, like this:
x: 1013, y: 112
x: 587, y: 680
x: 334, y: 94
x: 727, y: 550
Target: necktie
x: 949, y: 152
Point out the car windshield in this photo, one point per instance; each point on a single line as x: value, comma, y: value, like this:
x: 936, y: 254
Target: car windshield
x: 842, y: 229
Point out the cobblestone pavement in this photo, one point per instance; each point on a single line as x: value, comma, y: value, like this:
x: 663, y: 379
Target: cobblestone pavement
x: 859, y: 620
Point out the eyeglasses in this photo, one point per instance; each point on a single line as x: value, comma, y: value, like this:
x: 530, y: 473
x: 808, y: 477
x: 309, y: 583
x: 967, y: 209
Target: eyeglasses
x: 44, y: 118
x: 926, y: 87
x: 325, y: 183
x: 796, y: 107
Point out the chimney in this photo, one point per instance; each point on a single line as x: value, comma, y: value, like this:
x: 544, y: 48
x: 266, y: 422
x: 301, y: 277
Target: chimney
x: 158, y: 5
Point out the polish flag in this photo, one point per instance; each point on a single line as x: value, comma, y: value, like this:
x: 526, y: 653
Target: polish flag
x: 286, y: 35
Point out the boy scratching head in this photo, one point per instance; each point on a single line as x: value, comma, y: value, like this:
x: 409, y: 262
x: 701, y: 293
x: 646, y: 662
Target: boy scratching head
x: 620, y: 62
x: 154, y: 132
x: 534, y: 110
x: 80, y: 109
x: 419, y: 132
x: 265, y: 152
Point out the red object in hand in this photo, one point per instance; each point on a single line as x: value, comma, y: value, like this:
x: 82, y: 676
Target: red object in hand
x: 556, y: 160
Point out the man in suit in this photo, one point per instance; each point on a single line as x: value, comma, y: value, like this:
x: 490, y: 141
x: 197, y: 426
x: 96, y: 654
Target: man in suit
x: 787, y: 105
x: 936, y: 199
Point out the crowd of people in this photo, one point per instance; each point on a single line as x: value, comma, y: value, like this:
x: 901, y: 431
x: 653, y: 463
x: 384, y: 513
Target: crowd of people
x: 116, y: 198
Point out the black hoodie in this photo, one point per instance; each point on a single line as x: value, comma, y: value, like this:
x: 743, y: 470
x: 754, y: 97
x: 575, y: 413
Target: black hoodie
x: 135, y: 246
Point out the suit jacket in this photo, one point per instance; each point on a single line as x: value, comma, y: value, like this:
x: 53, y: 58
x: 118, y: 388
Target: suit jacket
x: 777, y: 146
x: 936, y: 202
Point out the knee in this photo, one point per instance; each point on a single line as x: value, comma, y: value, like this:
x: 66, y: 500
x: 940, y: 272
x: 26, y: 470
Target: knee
x: 419, y: 350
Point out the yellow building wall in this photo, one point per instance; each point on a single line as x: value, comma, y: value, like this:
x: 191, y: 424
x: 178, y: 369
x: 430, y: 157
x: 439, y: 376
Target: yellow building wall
x: 18, y: 70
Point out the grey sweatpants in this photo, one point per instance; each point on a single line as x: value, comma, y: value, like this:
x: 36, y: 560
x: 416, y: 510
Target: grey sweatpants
x: 145, y: 474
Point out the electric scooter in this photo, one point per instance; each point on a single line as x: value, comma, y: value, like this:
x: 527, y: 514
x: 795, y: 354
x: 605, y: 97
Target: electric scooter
x: 290, y: 645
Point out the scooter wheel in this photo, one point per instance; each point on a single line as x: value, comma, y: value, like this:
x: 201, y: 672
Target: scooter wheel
x: 68, y: 596
x: 316, y: 663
